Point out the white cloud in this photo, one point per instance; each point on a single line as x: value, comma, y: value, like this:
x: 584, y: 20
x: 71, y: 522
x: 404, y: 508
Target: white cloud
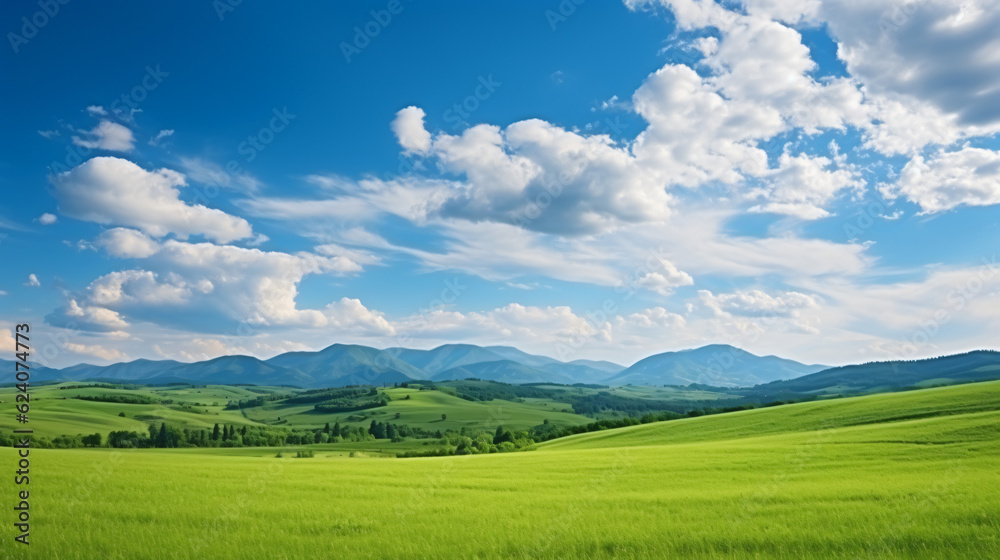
x: 218, y: 286
x: 970, y: 176
x: 32, y: 281
x: 663, y: 277
x: 160, y: 136
x: 408, y: 126
x: 96, y: 351
x: 141, y: 286
x: 110, y: 190
x: 106, y: 136
x: 87, y: 317
x: 97, y: 111
x: 757, y: 303
x: 49, y: 134
x: 801, y: 185
x: 936, y: 51
x: 47, y: 219
x: 542, y: 326
x: 127, y: 243
x: 540, y: 177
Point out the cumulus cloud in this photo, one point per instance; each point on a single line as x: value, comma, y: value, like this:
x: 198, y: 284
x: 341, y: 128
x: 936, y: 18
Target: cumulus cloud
x: 127, y: 243
x: 970, y: 176
x: 86, y: 317
x: 47, y: 219
x: 934, y: 51
x: 664, y: 277
x: 757, y: 303
x: 106, y: 135
x: 141, y: 286
x: 215, y: 286
x: 110, y: 190
x: 32, y: 281
x: 408, y: 126
x: 802, y: 185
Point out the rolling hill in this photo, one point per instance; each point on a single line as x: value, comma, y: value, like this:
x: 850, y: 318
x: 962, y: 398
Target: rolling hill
x: 981, y: 365
x: 903, y: 475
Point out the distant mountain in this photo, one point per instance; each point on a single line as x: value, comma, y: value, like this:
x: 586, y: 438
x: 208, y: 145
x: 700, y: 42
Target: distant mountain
x: 444, y: 357
x: 131, y: 371
x: 610, y: 368
x: 720, y: 365
x: 37, y: 372
x: 515, y: 355
x: 505, y: 371
x: 576, y: 372
x: 236, y: 369
x: 981, y: 365
x: 450, y: 361
x: 348, y: 364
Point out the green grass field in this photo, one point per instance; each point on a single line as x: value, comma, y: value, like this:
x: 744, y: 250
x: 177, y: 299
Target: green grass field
x: 905, y: 475
x: 55, y: 412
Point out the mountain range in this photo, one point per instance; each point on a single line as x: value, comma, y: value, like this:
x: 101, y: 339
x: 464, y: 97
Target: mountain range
x: 347, y: 364
x: 718, y: 365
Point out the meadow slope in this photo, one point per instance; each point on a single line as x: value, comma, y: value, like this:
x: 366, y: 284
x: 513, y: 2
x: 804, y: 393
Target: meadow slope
x: 908, y: 475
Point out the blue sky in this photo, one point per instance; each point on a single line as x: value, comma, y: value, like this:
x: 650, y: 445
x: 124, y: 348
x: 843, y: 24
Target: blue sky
x: 817, y: 180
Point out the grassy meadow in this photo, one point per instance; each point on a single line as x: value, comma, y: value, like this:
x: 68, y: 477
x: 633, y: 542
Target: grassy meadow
x: 904, y: 475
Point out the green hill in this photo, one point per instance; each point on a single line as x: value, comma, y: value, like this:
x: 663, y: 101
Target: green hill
x: 800, y: 417
x: 982, y: 365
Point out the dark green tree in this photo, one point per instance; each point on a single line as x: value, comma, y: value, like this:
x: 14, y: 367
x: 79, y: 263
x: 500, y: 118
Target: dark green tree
x: 162, y: 439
